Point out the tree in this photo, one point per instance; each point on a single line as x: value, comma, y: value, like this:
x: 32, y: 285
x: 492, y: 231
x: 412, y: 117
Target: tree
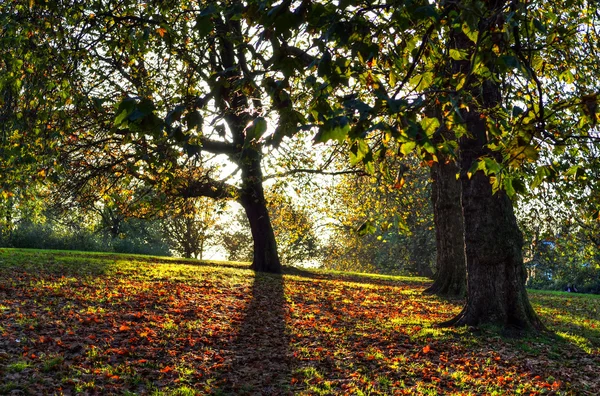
x: 293, y: 226
x: 456, y: 62
x: 164, y: 85
x: 191, y: 226
x: 380, y: 223
x: 493, y: 241
x: 451, y: 276
x: 32, y: 106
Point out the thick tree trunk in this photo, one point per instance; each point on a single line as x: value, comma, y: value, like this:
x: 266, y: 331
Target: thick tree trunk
x: 252, y: 198
x: 451, y: 277
x: 493, y: 243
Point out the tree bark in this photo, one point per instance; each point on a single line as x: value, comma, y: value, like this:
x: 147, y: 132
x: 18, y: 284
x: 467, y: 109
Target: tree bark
x: 496, y: 274
x: 252, y: 198
x: 451, y: 277
x: 235, y: 105
x: 493, y: 242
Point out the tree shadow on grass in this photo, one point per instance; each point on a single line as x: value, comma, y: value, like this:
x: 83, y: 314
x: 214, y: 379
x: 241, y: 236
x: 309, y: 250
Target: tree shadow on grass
x: 373, y: 279
x: 259, y: 359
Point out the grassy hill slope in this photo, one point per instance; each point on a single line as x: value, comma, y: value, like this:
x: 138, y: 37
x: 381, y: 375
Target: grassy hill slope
x: 114, y: 324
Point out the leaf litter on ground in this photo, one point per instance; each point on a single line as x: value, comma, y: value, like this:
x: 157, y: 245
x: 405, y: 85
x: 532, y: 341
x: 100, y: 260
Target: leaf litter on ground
x: 115, y: 324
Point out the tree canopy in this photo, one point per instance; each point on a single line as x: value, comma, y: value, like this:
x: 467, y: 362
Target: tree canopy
x: 120, y: 95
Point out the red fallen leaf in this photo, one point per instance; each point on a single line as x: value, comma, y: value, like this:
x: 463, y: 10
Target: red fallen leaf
x: 167, y: 369
x: 142, y: 361
x: 124, y: 328
x: 426, y: 349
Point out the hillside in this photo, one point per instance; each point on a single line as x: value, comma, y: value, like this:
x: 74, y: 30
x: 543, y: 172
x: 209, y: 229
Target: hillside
x: 114, y: 324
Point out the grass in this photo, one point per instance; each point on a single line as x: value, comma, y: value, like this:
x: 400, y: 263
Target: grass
x: 73, y: 322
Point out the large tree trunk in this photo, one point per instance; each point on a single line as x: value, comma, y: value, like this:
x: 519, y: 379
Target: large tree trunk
x: 252, y: 198
x: 493, y: 242
x: 451, y: 277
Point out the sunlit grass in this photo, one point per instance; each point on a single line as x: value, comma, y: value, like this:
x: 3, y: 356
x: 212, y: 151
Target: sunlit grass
x: 17, y: 367
x: 148, y: 325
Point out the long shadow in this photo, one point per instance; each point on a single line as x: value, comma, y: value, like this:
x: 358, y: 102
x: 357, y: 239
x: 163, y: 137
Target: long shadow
x: 260, y: 358
x: 351, y: 277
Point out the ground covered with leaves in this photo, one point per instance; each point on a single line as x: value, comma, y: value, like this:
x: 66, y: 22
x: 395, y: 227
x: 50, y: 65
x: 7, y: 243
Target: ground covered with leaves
x: 74, y: 323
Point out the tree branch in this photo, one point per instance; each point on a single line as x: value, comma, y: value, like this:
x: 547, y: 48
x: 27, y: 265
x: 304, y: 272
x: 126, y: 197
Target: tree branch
x: 316, y: 171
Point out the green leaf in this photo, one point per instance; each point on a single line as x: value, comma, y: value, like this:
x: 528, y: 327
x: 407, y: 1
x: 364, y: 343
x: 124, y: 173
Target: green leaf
x: 491, y: 166
x: 424, y: 12
x: 572, y: 171
x: 509, y: 188
x: 567, y: 76
x: 125, y: 108
x: 408, y: 147
x: 510, y: 61
x: 422, y: 81
x: 121, y: 117
x: 430, y: 125
x: 517, y: 111
x: 174, y: 115
x: 540, y: 175
x: 256, y: 129
x: 471, y: 34
x: 333, y: 129
x: 462, y: 79
x: 513, y: 186
x: 360, y: 151
x: 324, y: 68
x: 458, y: 54
x: 204, y: 25
x: 540, y: 26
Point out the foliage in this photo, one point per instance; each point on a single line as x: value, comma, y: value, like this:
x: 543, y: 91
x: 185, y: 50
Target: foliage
x: 561, y: 247
x: 41, y: 225
x: 189, y: 227
x: 133, y: 324
x: 138, y: 236
x: 161, y: 94
x: 294, y: 228
x: 236, y: 240
x: 382, y: 224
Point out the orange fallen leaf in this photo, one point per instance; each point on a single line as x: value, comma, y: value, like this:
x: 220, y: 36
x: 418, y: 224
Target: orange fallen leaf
x: 124, y: 328
x: 426, y: 349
